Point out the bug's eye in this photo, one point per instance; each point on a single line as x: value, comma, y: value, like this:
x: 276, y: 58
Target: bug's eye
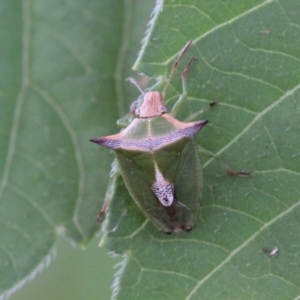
x: 162, y: 109
x: 137, y: 111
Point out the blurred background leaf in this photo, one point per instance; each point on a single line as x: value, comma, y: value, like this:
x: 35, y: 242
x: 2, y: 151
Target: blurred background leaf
x: 63, y: 65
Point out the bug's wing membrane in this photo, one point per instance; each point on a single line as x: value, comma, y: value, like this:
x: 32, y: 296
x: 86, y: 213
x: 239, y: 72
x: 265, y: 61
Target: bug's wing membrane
x: 139, y: 178
x: 174, y: 161
x: 189, y: 181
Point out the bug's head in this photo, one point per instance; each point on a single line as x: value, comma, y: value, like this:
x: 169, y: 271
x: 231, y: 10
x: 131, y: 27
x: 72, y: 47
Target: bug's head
x: 152, y: 106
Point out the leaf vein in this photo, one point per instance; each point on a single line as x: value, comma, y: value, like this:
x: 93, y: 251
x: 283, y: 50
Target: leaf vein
x: 77, y: 149
x: 121, y: 58
x: 257, y: 117
x: 70, y: 48
x: 266, y: 2
x: 243, y: 245
x: 32, y: 202
x: 21, y: 96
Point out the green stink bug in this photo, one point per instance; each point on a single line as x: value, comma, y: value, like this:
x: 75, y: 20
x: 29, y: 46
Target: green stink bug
x: 158, y: 159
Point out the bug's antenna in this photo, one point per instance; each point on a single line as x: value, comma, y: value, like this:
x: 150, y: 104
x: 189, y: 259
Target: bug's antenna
x: 133, y: 81
x: 188, y: 44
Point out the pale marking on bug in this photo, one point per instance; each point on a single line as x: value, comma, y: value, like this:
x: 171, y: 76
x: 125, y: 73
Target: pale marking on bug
x: 162, y: 188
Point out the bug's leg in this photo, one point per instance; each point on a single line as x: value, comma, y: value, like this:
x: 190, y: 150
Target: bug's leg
x: 110, y: 191
x: 175, y: 64
x: 127, y: 119
x: 195, y: 116
x: 182, y: 98
x: 226, y: 168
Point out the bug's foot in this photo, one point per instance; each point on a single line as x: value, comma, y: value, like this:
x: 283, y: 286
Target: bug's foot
x: 237, y: 173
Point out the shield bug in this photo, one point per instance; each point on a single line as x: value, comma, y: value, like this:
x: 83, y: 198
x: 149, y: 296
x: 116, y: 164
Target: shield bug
x: 158, y: 159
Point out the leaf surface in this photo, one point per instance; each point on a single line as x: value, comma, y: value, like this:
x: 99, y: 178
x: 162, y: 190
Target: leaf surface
x: 248, y: 60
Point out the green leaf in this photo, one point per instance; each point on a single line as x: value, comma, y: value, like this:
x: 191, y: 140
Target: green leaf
x: 248, y: 60
x: 63, y: 65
